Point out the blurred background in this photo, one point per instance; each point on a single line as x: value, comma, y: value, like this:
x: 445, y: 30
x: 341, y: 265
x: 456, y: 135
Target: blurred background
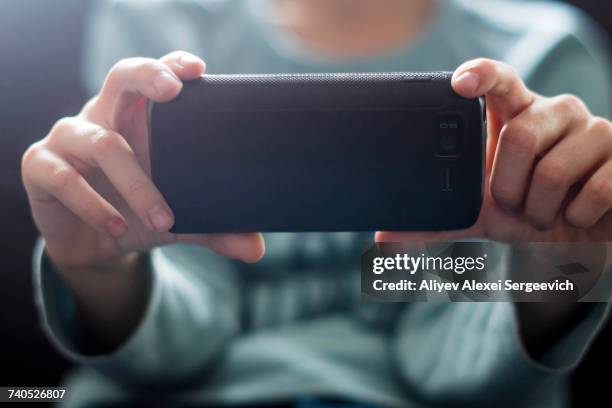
x: 40, y: 44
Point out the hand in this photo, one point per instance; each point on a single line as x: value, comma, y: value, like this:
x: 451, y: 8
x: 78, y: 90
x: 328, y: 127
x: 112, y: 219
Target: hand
x: 88, y: 181
x: 548, y: 167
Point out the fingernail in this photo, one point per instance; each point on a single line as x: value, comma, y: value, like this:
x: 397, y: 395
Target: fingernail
x: 164, y: 83
x: 160, y: 218
x: 468, y: 81
x: 116, y: 227
x: 188, y: 59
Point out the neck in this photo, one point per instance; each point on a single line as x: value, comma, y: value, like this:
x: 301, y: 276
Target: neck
x: 354, y: 27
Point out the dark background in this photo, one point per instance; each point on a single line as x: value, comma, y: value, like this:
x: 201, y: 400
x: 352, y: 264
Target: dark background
x: 39, y: 83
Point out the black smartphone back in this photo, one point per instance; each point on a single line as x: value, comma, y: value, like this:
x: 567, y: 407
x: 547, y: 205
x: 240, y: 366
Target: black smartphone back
x: 319, y: 152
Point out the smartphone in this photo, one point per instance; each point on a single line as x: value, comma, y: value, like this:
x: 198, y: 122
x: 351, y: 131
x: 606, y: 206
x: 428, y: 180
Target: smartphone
x: 319, y: 152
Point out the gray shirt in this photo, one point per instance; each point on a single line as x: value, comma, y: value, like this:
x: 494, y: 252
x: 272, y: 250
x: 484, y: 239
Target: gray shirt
x: 294, y: 324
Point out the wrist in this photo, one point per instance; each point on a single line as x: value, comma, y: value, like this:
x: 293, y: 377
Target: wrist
x: 111, y: 295
x: 74, y: 262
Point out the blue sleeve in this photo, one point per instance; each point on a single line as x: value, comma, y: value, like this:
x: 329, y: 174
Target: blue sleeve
x: 473, y: 353
x: 192, y: 311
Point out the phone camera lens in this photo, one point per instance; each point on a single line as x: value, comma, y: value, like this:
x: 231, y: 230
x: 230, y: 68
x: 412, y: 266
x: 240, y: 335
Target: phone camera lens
x: 449, y: 130
x: 448, y: 142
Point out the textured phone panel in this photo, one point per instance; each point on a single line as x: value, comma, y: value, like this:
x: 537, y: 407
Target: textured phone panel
x: 317, y: 152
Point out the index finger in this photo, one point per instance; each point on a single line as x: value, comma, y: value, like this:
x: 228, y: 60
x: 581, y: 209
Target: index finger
x: 506, y: 93
x: 133, y: 78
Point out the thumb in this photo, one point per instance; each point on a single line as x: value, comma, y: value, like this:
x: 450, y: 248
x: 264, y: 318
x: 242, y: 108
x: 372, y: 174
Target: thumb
x: 248, y: 247
x: 424, y: 236
x: 474, y: 231
x: 506, y: 93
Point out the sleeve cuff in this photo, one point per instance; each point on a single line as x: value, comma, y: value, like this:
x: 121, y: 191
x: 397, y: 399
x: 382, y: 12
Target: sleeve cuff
x: 57, y: 307
x: 569, y: 351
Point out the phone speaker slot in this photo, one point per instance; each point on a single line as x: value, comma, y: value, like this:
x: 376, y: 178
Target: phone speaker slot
x: 446, y: 180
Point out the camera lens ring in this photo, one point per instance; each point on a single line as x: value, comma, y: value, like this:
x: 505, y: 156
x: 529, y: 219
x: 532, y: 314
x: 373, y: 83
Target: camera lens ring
x: 449, y: 131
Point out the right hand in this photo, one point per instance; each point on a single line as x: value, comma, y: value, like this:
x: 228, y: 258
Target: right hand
x: 88, y: 181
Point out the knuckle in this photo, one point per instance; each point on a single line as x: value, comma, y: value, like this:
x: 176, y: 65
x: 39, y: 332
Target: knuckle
x: 600, y: 126
x: 510, y: 71
x: 116, y: 73
x: 504, y: 195
x: 149, y: 67
x: 599, y: 190
x: 29, y: 159
x: 519, y: 136
x: 90, y: 103
x: 120, y: 66
x: 30, y: 155
x: 105, y: 142
x: 510, y: 79
x: 62, y: 127
x: 61, y: 177
x: 138, y: 186
x: 571, y: 104
x: 174, y: 54
x: 550, y: 174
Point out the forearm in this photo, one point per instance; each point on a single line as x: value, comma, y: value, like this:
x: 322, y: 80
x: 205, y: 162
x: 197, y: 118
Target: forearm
x: 191, y: 302
x: 459, y: 352
x: 111, y: 297
x: 471, y: 353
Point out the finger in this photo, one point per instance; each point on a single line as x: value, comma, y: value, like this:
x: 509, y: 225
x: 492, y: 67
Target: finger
x: 49, y: 177
x: 595, y: 198
x: 249, y: 247
x: 553, y: 175
x: 133, y: 78
x: 427, y: 236
x: 111, y: 153
x: 185, y: 65
x: 494, y: 126
x: 128, y: 81
x: 505, y: 91
x: 524, y: 138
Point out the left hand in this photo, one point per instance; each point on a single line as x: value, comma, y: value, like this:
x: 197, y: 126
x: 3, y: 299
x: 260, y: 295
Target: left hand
x: 548, y: 167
